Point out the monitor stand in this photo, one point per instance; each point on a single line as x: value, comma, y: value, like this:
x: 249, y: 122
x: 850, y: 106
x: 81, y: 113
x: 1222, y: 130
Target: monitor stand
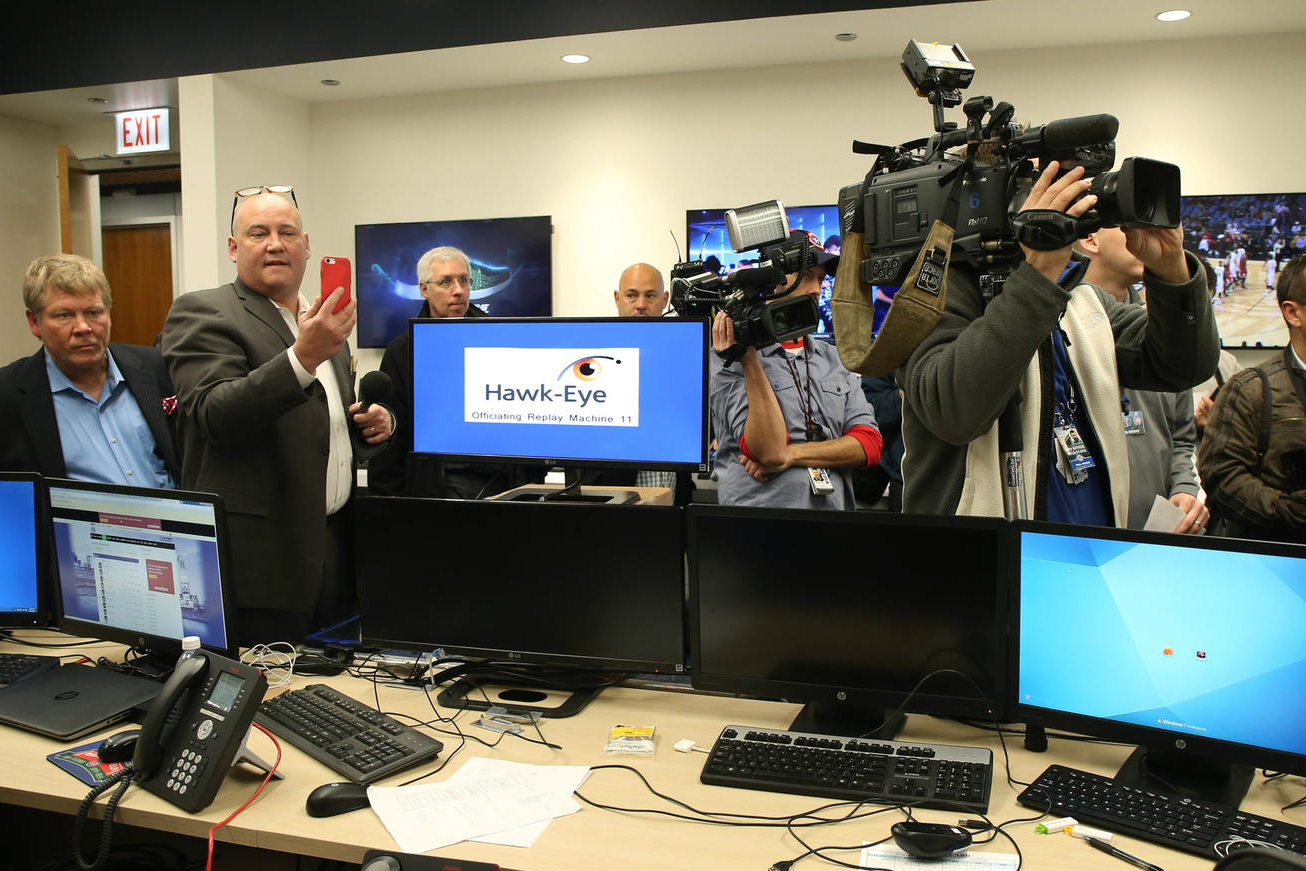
x: 848, y: 721
x: 571, y: 491
x: 1184, y: 774
x: 515, y: 697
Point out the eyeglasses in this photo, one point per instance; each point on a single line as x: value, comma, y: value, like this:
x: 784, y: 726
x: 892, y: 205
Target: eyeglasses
x: 255, y: 191
x: 449, y: 281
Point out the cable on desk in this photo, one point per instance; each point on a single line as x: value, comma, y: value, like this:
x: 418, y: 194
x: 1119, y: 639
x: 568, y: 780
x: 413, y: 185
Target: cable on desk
x: 208, y: 865
x: 8, y: 635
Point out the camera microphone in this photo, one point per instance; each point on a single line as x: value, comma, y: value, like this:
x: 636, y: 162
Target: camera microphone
x: 375, y: 387
x: 1067, y: 134
x: 760, y: 276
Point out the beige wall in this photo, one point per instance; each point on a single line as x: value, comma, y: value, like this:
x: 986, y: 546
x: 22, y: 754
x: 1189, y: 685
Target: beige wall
x: 29, y: 222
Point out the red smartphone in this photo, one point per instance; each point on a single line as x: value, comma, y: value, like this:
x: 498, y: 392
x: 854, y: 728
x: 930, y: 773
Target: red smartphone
x: 336, y: 273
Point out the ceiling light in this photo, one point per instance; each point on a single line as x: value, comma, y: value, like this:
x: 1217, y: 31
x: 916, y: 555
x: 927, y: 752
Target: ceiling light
x: 845, y: 37
x: 330, y: 83
x: 1173, y: 15
x: 575, y: 58
x: 97, y: 100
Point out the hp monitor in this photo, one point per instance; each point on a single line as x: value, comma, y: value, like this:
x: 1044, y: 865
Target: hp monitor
x: 24, y: 575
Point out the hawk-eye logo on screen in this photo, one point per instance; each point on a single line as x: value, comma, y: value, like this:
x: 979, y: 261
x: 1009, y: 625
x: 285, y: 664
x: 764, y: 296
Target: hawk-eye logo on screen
x: 587, y: 368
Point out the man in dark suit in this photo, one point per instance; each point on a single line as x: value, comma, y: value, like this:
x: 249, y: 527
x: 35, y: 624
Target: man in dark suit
x: 82, y: 407
x: 268, y: 421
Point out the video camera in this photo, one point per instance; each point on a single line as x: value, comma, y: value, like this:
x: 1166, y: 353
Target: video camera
x: 979, y: 193
x: 747, y: 295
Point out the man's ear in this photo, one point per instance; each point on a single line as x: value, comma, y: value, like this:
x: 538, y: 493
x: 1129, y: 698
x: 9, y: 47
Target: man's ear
x: 33, y: 325
x: 1292, y: 313
x: 231, y: 248
x: 616, y: 296
x: 1089, y: 245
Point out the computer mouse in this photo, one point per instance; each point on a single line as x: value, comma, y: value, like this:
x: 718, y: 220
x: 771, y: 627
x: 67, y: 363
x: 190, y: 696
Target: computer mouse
x: 119, y: 746
x: 929, y: 840
x: 330, y: 799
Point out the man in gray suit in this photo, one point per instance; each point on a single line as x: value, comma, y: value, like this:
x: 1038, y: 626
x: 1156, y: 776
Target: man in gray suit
x: 264, y: 383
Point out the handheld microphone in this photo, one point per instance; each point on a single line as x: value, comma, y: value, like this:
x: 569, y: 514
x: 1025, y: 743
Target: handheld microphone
x: 375, y: 387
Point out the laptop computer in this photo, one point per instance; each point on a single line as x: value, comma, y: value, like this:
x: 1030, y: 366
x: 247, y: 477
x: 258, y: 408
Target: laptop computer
x: 74, y: 700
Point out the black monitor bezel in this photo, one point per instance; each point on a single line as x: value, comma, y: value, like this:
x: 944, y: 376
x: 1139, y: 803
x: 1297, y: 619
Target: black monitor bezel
x: 1183, y: 744
x: 371, y: 638
x: 924, y: 701
x: 701, y: 465
x: 40, y: 618
x: 157, y: 645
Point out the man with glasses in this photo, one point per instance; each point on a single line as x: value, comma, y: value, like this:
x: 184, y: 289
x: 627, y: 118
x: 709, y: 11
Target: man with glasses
x: 444, y: 275
x: 264, y: 382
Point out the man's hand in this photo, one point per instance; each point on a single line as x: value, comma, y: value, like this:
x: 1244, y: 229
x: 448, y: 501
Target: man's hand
x: 766, y: 473
x: 1063, y: 194
x: 1195, y: 513
x: 1161, y: 250
x: 1203, y: 412
x: 323, y: 331
x: 373, y: 423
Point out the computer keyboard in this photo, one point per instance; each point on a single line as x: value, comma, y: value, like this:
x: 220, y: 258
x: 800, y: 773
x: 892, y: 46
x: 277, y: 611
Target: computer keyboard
x: 885, y: 772
x: 1204, y: 828
x: 344, y: 734
x: 16, y: 666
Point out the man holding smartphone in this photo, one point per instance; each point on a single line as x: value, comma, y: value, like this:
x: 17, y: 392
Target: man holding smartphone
x: 264, y: 382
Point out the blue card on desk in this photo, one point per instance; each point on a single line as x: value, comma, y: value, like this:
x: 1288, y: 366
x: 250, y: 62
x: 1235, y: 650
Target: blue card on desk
x: 84, y: 763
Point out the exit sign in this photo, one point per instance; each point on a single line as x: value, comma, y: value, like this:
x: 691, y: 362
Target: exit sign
x: 142, y: 130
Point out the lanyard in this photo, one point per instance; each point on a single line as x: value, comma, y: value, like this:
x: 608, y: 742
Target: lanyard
x: 814, y: 433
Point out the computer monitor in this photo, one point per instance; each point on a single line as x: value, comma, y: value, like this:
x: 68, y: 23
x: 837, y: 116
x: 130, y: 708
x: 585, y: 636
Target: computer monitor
x: 572, y: 392
x: 849, y: 612
x: 25, y: 578
x: 1190, y: 647
x: 141, y: 566
x: 594, y: 587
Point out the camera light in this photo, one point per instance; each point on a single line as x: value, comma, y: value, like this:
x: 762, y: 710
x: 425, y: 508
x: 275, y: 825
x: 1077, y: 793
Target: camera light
x: 1173, y: 15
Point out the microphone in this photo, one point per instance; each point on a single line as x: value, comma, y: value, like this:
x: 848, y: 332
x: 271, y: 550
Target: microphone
x: 375, y: 387
x: 1070, y: 133
x: 759, y: 276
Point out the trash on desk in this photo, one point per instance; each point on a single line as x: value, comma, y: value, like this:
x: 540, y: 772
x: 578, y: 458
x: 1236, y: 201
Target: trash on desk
x: 630, y: 741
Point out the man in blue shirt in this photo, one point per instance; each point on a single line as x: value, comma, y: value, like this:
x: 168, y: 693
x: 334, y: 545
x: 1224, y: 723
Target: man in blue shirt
x: 81, y: 407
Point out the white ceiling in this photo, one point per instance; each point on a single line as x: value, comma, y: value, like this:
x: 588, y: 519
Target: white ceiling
x: 987, y: 25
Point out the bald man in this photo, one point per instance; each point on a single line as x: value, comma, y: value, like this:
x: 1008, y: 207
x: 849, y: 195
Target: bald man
x: 640, y: 292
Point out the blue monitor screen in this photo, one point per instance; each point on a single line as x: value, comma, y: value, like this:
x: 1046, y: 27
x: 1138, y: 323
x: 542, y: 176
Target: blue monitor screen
x: 1178, y: 638
x: 140, y: 566
x: 706, y: 232
x: 563, y: 391
x: 511, y: 269
x: 21, y: 549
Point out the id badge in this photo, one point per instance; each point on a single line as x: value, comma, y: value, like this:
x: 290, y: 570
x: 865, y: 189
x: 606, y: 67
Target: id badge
x: 1133, y: 422
x: 821, y: 483
x: 1074, y: 460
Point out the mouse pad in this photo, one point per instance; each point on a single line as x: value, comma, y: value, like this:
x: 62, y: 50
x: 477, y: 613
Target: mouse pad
x: 84, y: 763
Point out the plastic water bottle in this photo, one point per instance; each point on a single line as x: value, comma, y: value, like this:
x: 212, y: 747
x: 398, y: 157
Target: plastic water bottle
x: 190, y: 645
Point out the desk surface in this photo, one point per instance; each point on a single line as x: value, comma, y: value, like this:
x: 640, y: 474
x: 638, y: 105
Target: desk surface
x: 592, y: 838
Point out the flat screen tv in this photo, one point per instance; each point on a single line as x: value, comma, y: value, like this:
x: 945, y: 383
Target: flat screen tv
x: 1190, y: 647
x: 512, y: 269
x: 24, y: 575
x: 570, y: 392
x: 1246, y: 238
x: 142, y: 567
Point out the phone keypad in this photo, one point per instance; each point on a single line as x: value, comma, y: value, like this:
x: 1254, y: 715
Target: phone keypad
x: 186, y: 769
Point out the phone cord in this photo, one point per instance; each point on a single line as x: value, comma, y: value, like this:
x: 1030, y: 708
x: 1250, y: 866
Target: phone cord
x: 122, y: 779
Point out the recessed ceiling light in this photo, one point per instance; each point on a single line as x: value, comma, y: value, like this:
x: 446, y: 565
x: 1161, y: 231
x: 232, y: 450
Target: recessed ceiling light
x: 575, y: 58
x: 845, y: 37
x: 97, y: 100
x: 1173, y: 15
x: 330, y: 83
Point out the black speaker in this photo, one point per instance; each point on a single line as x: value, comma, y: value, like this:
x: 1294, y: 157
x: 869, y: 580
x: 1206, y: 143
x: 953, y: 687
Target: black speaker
x: 387, y: 860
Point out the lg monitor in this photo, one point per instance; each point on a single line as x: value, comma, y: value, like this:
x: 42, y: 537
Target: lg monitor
x: 578, y: 587
x: 24, y: 578
x: 571, y: 392
x: 142, y: 567
x: 856, y: 614
x: 1189, y: 647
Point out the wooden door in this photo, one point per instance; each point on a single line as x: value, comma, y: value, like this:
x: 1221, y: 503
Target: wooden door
x: 138, y: 263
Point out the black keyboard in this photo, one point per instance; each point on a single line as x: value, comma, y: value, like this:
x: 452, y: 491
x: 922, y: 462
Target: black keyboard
x: 885, y: 772
x: 1204, y: 828
x: 344, y: 734
x: 16, y: 666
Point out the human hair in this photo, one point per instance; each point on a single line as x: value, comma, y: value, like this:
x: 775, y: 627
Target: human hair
x: 444, y: 252
x: 67, y: 272
x: 1291, y: 284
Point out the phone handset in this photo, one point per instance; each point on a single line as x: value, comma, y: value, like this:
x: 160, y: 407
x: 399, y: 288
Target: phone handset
x: 166, y: 713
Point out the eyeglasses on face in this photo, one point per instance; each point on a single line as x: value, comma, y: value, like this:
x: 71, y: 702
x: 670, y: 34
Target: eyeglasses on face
x: 257, y: 189
x: 449, y: 281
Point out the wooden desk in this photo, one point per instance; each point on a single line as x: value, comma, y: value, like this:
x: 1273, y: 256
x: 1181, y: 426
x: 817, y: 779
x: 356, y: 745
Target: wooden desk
x: 646, y: 495
x: 600, y: 839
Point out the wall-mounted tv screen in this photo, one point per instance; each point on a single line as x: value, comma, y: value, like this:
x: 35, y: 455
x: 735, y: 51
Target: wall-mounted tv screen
x: 512, y: 269
x: 1247, y: 238
x: 706, y: 231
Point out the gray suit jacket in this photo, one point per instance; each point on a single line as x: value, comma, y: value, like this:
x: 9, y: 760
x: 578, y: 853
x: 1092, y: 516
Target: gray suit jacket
x: 252, y: 435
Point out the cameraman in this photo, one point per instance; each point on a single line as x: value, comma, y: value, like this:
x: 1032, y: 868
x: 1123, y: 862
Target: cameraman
x: 1067, y: 347
x: 785, y: 409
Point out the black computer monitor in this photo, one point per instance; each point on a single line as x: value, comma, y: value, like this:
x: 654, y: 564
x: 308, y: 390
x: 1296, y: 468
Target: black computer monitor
x: 849, y: 611
x: 24, y: 566
x: 594, y: 587
x: 141, y: 566
x: 1190, y: 647
x: 573, y: 392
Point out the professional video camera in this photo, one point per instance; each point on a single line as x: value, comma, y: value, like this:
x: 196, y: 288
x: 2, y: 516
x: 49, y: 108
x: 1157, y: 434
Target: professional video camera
x: 747, y: 295
x: 967, y: 204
